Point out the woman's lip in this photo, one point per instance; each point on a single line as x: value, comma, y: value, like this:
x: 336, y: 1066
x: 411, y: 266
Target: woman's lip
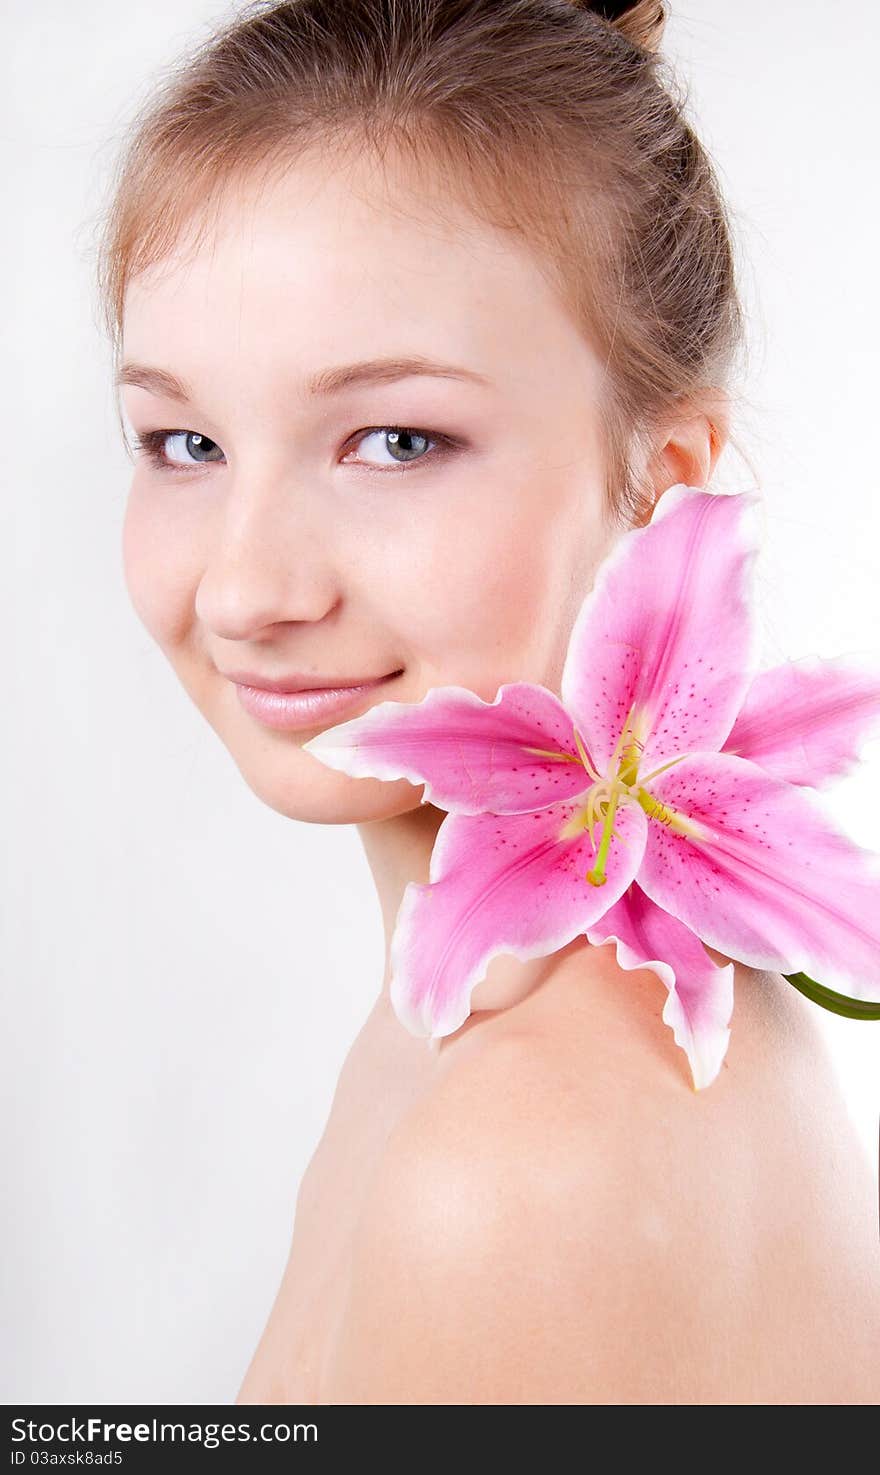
x: 292, y: 710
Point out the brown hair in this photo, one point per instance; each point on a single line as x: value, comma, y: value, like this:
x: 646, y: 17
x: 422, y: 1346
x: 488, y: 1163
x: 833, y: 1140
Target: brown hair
x: 552, y: 119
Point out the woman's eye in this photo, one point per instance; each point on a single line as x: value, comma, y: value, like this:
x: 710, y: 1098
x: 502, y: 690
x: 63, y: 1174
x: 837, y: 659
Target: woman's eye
x: 191, y: 443
x: 400, y: 444
x: 394, y: 445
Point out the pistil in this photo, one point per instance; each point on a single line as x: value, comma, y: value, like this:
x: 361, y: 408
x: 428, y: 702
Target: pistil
x: 604, y: 794
x: 596, y: 876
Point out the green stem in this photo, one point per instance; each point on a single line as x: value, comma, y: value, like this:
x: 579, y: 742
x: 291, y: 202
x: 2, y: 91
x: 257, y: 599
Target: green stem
x: 837, y: 1003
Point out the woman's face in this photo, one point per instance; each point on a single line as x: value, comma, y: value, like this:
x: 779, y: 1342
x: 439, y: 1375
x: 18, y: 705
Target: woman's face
x: 292, y: 531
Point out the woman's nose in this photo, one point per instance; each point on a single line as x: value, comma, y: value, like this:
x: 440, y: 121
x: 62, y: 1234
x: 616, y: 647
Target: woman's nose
x: 267, y: 563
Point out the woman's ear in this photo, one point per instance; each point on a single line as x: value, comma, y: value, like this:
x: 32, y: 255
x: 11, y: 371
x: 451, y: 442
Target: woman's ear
x: 693, y: 443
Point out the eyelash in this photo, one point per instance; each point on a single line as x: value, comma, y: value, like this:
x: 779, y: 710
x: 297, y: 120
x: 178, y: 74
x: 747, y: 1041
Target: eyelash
x: 150, y: 445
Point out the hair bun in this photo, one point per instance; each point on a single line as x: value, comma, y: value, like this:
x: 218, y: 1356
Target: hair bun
x: 642, y: 23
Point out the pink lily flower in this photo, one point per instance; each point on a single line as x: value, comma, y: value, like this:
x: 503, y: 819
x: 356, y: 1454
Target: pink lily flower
x: 661, y: 804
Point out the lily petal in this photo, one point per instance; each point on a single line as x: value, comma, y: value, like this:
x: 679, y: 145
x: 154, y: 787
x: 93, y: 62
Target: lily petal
x: 806, y: 720
x: 700, y: 998
x: 765, y: 876
x: 471, y: 755
x: 499, y: 884
x: 668, y: 627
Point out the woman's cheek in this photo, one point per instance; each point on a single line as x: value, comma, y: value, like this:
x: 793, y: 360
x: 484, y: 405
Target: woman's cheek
x: 478, y: 593
x: 506, y: 570
x: 160, y: 564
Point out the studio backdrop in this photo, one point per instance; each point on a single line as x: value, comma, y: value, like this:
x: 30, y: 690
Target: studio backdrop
x: 183, y: 969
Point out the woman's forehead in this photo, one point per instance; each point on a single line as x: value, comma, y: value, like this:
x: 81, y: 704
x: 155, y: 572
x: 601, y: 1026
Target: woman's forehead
x: 313, y: 230
x: 325, y: 269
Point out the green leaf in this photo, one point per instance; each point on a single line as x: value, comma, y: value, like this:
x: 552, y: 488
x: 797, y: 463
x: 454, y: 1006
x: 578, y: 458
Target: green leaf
x: 837, y: 1003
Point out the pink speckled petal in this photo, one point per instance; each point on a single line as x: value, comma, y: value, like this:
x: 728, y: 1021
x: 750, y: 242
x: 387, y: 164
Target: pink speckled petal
x: 471, y: 755
x: 499, y: 884
x: 806, y: 720
x: 667, y: 626
x: 700, y: 998
x: 767, y: 878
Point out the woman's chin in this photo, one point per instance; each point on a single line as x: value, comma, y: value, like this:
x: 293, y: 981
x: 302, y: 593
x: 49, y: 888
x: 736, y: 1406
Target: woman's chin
x: 326, y: 797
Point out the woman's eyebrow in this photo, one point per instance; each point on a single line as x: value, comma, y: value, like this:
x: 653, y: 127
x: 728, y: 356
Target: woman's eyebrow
x: 324, y: 382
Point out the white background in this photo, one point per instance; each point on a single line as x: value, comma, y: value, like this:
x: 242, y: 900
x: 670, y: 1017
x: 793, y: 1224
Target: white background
x: 183, y: 969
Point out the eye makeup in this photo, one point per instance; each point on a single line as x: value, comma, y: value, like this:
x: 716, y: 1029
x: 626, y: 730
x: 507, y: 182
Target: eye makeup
x: 150, y: 444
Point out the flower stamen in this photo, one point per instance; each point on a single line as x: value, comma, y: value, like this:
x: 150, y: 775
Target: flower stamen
x: 602, y: 798
x: 671, y: 818
x: 551, y: 753
x: 663, y: 767
x: 585, y: 758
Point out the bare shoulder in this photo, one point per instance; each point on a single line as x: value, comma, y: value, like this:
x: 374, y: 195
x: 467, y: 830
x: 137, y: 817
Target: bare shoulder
x: 563, y: 1220
x: 512, y: 1250
x: 461, y: 1288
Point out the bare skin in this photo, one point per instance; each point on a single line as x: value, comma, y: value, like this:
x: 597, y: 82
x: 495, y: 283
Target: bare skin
x: 290, y: 540
x: 789, y: 1227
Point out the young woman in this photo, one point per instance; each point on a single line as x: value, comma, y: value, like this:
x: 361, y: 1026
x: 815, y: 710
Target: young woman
x: 418, y: 308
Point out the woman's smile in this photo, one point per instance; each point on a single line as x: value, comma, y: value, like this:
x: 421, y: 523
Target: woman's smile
x: 292, y: 710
